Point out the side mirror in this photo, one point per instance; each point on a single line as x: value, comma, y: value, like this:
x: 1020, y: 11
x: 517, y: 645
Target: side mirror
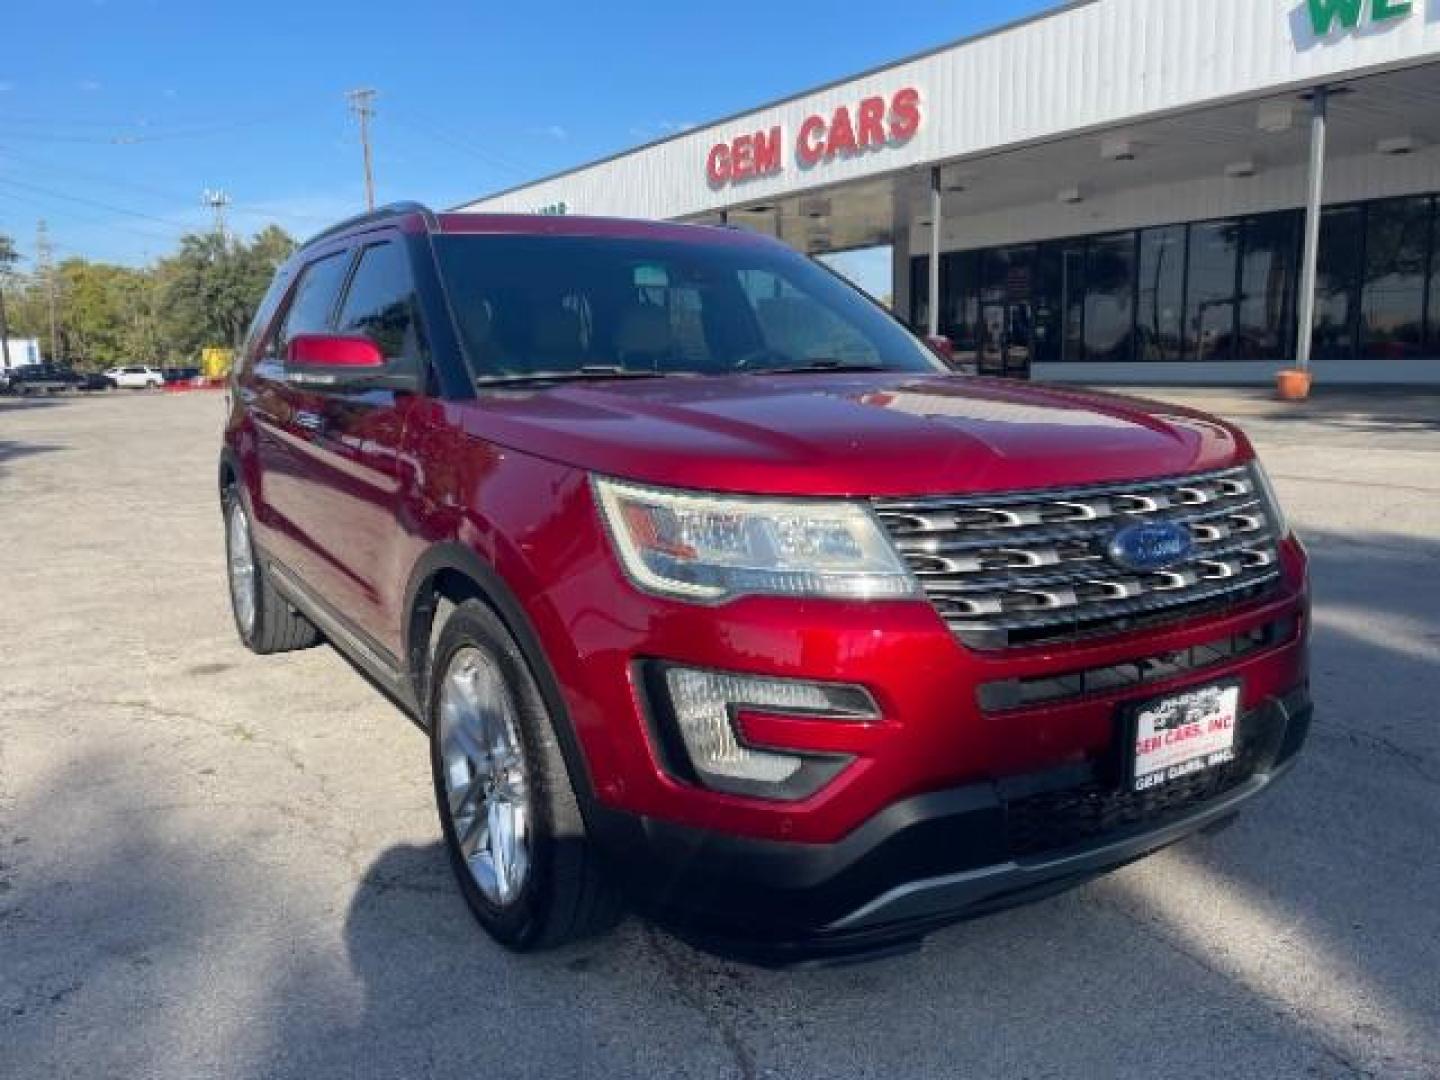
x: 340, y: 361
x: 314, y: 351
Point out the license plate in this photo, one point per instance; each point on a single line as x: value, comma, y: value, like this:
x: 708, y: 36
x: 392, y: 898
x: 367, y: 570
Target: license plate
x: 1184, y: 733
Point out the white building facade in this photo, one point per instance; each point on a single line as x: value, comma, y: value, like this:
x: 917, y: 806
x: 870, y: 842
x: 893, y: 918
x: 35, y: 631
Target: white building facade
x: 1116, y: 190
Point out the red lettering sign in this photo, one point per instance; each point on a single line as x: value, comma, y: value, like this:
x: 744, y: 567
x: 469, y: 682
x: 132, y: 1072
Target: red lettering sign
x: 872, y: 125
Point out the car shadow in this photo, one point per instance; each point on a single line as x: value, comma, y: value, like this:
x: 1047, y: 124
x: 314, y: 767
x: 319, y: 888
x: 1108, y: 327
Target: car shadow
x: 1306, y: 936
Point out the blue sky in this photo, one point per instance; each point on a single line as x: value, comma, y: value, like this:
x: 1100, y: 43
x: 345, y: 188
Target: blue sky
x: 115, y: 115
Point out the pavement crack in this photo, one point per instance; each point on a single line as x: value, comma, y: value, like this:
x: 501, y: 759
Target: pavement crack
x: 703, y: 1004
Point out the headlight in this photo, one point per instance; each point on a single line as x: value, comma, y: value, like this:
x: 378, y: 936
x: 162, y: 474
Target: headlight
x: 1271, y: 501
x: 717, y: 547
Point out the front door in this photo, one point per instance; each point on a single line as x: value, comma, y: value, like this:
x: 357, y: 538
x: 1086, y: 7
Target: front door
x: 354, y: 469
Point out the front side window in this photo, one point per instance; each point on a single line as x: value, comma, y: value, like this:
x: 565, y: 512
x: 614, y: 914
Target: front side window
x: 548, y: 305
x: 314, y: 298
x: 381, y: 303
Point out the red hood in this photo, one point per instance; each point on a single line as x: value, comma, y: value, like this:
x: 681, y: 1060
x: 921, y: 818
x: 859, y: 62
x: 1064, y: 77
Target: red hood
x: 853, y: 434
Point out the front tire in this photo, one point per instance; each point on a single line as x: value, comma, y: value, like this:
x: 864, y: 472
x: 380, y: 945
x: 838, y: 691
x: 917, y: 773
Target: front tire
x: 266, y: 623
x: 508, y: 810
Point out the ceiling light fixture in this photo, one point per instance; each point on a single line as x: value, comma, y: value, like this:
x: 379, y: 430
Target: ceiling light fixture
x: 1117, y: 149
x: 1397, y: 145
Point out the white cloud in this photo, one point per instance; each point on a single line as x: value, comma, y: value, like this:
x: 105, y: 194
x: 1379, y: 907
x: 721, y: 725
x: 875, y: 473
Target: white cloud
x: 88, y: 85
x: 551, y: 131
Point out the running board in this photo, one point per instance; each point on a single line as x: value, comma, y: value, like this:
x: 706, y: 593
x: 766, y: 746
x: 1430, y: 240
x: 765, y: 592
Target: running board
x: 374, y: 659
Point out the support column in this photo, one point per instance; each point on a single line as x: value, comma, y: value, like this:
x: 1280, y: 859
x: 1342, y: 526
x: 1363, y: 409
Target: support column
x: 1314, y: 205
x: 936, y: 208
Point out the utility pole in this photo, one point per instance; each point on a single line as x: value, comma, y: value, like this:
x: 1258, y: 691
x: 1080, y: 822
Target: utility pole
x: 45, y: 266
x: 217, y: 201
x: 362, y: 104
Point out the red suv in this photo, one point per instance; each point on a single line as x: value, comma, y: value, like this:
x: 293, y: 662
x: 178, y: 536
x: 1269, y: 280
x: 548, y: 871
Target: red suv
x: 717, y: 591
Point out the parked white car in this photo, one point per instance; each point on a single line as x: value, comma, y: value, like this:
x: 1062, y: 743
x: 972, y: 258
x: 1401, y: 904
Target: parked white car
x: 136, y: 377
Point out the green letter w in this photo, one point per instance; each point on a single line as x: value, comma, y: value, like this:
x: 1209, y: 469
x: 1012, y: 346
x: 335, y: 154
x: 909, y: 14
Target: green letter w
x: 1323, y: 14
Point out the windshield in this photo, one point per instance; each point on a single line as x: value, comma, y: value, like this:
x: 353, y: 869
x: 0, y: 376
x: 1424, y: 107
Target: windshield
x: 557, y: 306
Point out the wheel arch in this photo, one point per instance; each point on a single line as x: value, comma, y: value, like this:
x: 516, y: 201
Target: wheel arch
x: 450, y: 574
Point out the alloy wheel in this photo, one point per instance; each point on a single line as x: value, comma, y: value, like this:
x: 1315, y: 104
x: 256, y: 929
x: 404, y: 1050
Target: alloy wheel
x: 487, y: 793
x: 242, y: 569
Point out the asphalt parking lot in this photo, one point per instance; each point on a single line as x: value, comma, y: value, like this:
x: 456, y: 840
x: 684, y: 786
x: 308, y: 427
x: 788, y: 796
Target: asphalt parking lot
x: 213, y: 864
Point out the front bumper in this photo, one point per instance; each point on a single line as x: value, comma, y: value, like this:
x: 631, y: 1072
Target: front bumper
x: 935, y: 859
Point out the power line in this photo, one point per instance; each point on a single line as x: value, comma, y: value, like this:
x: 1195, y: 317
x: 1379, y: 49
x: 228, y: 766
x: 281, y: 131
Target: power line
x: 81, y: 200
x: 146, y: 189
x: 492, y: 159
x: 92, y: 219
x: 362, y: 104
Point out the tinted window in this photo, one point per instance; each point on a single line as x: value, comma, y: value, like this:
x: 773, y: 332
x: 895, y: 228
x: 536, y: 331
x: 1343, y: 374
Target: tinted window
x: 960, y: 317
x: 381, y: 303
x: 530, y: 304
x: 252, y: 348
x: 1269, y: 270
x: 1110, y: 297
x: 315, y: 297
x: 1337, y: 284
x: 1435, y: 278
x: 1158, y: 322
x: 1392, y: 303
x: 1210, y: 308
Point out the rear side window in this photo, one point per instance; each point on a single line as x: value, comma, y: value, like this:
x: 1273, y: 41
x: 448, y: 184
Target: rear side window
x: 314, y: 298
x: 381, y: 303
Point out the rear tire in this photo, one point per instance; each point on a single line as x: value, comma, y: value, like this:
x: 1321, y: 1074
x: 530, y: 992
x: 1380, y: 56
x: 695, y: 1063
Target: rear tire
x: 265, y: 621
x: 501, y: 780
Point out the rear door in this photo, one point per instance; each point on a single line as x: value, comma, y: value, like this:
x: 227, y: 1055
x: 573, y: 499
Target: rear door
x: 353, y: 467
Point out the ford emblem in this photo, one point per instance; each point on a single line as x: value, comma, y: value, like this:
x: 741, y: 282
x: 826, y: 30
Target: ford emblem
x: 1151, y: 545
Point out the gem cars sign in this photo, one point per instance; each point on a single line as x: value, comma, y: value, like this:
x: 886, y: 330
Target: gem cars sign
x: 871, y: 125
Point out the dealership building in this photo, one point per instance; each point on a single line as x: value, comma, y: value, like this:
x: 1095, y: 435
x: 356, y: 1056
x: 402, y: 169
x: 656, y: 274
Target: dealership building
x: 1116, y: 190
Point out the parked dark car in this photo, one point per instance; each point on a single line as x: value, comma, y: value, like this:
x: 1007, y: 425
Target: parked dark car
x: 714, y: 587
x: 42, y: 379
x: 177, y: 375
x: 94, y: 382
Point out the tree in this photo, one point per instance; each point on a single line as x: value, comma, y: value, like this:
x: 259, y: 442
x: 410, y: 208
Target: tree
x: 8, y: 258
x: 203, y: 295
x: 213, y: 284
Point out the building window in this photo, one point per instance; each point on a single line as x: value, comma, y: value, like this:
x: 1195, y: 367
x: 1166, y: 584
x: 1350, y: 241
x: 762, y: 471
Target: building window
x: 1269, y: 273
x: 1158, y: 326
x: 920, y: 292
x: 960, y: 315
x: 1210, y: 305
x: 1434, y: 320
x: 1392, y: 299
x: 1110, y: 298
x: 1337, y: 283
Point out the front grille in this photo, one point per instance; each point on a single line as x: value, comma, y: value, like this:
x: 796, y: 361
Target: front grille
x: 1029, y: 567
x: 1050, y: 821
x: 1072, y: 685
x: 1060, y: 819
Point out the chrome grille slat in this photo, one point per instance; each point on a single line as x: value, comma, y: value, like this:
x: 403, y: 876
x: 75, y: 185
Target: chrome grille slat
x: 933, y: 541
x: 1031, y: 566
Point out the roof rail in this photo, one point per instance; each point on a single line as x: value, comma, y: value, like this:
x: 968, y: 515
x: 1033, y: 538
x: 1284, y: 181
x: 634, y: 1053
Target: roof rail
x: 376, y: 216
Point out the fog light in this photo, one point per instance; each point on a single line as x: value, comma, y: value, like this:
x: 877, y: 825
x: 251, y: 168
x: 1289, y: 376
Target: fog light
x: 703, y: 707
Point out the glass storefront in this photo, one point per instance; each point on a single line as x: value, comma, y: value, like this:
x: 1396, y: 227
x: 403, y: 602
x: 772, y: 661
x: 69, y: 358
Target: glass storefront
x: 1209, y: 290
